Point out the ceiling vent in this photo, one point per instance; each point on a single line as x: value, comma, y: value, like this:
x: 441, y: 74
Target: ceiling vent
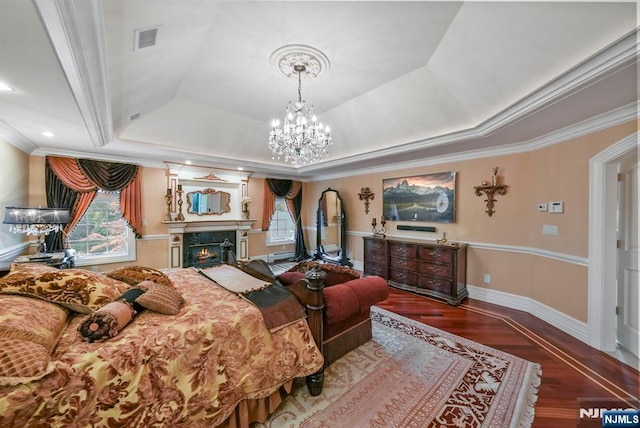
x: 135, y: 116
x: 145, y: 38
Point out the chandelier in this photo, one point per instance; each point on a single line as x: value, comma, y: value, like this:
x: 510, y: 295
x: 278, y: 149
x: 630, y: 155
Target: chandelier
x: 301, y: 139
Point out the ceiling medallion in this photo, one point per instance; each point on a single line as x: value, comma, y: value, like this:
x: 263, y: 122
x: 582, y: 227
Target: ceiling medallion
x: 301, y: 139
x: 287, y: 57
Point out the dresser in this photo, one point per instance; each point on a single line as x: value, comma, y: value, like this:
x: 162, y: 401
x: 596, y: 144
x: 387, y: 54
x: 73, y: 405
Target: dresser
x: 422, y: 267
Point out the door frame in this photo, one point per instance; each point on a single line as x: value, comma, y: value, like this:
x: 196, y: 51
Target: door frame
x: 603, y: 185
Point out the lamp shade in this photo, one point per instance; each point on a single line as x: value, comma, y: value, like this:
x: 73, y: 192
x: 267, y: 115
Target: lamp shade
x: 36, y: 221
x: 14, y: 215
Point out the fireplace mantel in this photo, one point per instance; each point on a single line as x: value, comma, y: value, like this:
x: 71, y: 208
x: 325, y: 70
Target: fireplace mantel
x: 177, y: 229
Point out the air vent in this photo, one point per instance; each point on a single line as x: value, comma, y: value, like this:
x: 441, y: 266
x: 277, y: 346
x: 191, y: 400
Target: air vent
x: 145, y: 38
x: 135, y: 116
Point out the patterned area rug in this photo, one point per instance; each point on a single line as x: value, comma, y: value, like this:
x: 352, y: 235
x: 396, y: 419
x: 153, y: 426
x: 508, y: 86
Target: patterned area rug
x: 413, y: 375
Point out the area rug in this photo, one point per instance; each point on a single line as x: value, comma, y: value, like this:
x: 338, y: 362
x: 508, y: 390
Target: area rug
x: 414, y: 375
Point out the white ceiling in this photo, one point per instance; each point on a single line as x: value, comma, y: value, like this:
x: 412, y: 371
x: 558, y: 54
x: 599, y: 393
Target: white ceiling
x: 407, y: 80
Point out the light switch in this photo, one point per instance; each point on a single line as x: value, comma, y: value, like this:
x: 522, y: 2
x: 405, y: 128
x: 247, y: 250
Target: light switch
x: 556, y: 207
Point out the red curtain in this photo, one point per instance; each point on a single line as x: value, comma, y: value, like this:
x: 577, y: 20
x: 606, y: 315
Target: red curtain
x: 86, y: 177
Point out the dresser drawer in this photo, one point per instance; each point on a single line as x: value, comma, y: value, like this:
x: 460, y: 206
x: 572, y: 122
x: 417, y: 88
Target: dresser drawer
x: 443, y: 271
x: 402, y: 250
x: 441, y: 255
x: 380, y: 258
x: 406, y: 264
x: 403, y: 276
x: 372, y: 246
x: 375, y: 269
x: 433, y: 283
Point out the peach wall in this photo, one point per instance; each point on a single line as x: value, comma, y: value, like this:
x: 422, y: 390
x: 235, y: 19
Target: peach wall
x: 14, y: 176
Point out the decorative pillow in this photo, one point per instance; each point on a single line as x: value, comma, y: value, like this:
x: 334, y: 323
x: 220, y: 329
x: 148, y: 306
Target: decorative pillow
x: 110, y: 319
x: 335, y: 274
x: 133, y: 275
x: 29, y: 331
x: 160, y: 298
x: 76, y: 289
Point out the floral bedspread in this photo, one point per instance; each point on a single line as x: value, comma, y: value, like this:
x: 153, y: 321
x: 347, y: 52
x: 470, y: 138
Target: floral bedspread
x: 190, y: 369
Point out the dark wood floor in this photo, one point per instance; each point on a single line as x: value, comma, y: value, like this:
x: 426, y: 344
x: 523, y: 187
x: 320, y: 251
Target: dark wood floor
x: 570, y: 368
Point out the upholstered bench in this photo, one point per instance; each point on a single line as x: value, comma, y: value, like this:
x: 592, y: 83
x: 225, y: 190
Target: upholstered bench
x: 347, y: 302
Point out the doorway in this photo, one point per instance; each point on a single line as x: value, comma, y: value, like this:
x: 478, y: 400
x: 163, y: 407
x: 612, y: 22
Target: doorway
x: 603, y: 254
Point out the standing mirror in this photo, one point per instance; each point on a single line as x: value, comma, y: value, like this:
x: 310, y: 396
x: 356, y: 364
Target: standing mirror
x: 331, y: 235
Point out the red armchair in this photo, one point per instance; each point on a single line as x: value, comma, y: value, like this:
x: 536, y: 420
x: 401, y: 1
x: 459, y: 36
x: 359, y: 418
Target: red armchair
x: 347, y: 302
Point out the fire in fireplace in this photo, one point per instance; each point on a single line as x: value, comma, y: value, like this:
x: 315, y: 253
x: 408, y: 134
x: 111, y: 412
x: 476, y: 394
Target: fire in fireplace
x: 204, y: 249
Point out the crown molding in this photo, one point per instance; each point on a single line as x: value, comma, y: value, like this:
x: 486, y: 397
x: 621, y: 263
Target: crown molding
x: 16, y: 139
x: 597, y: 123
x: 76, y: 31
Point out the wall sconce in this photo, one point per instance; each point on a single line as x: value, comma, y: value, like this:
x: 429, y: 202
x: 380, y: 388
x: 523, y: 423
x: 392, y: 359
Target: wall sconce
x: 36, y: 221
x: 489, y: 190
x: 365, y: 195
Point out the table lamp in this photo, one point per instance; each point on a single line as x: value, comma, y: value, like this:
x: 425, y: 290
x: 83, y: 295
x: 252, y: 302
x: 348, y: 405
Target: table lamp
x: 36, y: 221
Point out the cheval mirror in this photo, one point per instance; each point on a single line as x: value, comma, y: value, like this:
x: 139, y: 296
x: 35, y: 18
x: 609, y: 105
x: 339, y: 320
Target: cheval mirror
x: 331, y: 235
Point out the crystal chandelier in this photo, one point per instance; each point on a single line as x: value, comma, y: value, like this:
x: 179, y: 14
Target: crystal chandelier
x: 301, y: 139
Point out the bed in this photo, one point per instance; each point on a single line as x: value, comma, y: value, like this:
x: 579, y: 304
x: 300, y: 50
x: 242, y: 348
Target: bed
x: 214, y: 363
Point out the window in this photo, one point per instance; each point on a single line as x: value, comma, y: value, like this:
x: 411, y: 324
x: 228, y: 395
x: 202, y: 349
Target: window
x: 102, y: 235
x: 281, y: 227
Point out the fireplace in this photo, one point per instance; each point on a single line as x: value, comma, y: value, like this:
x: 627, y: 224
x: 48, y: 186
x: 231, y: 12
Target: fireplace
x: 204, y: 249
x: 189, y: 240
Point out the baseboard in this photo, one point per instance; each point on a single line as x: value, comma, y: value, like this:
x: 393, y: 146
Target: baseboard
x: 561, y: 321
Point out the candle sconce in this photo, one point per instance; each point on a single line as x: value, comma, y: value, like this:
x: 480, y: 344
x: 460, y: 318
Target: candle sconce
x: 383, y: 229
x: 365, y: 195
x: 489, y: 190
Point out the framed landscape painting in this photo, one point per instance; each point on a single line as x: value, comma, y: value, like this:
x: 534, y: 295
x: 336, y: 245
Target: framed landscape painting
x: 427, y: 198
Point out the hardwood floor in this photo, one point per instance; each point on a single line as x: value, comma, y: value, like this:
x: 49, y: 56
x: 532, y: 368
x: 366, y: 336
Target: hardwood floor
x: 570, y: 369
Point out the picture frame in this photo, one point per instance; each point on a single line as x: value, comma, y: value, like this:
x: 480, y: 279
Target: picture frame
x: 420, y: 198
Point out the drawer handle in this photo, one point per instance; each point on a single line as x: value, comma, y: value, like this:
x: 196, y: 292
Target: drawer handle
x: 434, y: 254
x: 402, y: 251
x: 435, y: 269
x: 435, y: 284
x: 402, y: 263
x: 403, y: 276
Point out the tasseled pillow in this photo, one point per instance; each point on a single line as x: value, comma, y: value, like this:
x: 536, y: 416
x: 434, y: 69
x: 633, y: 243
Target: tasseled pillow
x: 110, y: 319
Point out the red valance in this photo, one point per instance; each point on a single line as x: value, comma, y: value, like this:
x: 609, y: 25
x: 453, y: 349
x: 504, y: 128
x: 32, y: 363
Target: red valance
x: 87, y: 176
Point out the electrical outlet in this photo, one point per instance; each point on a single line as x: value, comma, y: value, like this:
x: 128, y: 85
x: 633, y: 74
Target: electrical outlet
x: 542, y: 207
x: 487, y: 278
x: 94, y: 268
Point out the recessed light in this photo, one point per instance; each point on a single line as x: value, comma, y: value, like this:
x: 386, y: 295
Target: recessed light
x: 47, y: 134
x: 240, y: 168
x: 187, y: 162
x: 5, y: 88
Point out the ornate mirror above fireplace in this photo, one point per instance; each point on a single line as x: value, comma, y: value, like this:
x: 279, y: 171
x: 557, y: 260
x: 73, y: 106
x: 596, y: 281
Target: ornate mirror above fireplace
x: 208, y: 202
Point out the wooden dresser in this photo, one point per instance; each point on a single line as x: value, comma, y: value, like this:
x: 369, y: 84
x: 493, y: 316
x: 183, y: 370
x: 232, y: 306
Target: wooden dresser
x: 422, y: 267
